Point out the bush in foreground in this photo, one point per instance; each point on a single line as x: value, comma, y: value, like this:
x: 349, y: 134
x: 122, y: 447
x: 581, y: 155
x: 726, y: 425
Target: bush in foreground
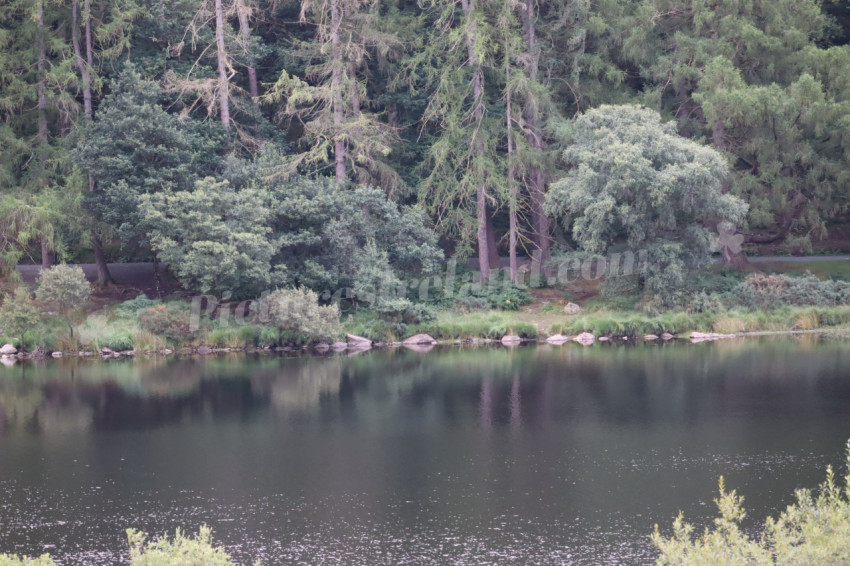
x: 814, y: 530
x: 8, y: 560
x: 181, y: 550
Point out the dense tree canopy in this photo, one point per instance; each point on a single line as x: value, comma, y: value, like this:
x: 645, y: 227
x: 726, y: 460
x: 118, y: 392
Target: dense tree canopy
x: 113, y: 113
x: 634, y: 182
x: 299, y: 232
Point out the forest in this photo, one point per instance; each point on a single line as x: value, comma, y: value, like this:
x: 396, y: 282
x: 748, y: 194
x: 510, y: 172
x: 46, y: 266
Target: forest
x: 254, y: 144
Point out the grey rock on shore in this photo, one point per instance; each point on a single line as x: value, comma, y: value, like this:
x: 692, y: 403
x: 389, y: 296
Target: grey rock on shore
x: 8, y: 350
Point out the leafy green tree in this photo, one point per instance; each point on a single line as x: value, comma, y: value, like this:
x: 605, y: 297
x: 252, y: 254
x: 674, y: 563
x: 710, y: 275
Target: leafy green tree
x: 135, y: 148
x: 18, y: 314
x: 111, y: 29
x: 65, y: 289
x: 296, y: 231
x: 323, y: 226
x: 674, y: 40
x: 635, y: 182
x: 215, y: 238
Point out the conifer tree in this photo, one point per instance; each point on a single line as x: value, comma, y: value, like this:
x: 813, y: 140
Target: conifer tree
x: 329, y: 103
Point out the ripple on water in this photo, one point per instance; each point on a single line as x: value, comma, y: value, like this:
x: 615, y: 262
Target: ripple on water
x: 279, y: 530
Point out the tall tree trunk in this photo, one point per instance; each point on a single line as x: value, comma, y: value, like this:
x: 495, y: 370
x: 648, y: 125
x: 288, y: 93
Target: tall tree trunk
x: 245, y: 33
x: 41, y: 87
x: 336, y: 90
x: 493, y: 259
x: 512, y: 205
x: 78, y: 56
x: 46, y: 255
x: 392, y: 115
x: 534, y: 136
x: 104, y: 277
x: 484, y: 249
x: 718, y: 135
x: 221, y: 54
x: 356, y: 133
x: 41, y: 93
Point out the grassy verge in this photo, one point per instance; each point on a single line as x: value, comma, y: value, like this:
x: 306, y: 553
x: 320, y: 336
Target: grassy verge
x: 109, y: 330
x: 608, y: 323
x: 492, y: 324
x: 451, y: 325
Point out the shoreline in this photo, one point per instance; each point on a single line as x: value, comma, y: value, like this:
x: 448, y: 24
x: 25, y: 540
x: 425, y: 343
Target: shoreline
x: 323, y: 349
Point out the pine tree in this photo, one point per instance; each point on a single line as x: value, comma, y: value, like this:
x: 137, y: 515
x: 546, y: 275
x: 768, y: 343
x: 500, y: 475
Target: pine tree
x: 330, y: 102
x: 465, y: 171
x: 737, y: 74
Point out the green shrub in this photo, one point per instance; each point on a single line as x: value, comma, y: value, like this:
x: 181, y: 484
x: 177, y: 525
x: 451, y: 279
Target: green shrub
x: 269, y: 336
x: 181, y: 550
x: 814, y: 530
x: 632, y: 325
x: 171, y: 321
x: 509, y: 298
x: 760, y: 291
x: 18, y: 315
x: 131, y: 309
x: 9, y: 560
x: 472, y: 303
x: 418, y: 313
x: 297, y: 311
x: 452, y: 326
x: 236, y: 336
x: 704, y: 302
x: 119, y: 342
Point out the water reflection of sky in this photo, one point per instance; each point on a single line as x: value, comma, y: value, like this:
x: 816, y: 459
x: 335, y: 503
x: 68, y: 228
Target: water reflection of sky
x: 464, y: 456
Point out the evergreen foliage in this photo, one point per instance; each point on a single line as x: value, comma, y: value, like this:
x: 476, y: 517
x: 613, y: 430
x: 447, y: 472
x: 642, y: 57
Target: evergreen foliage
x: 115, y: 113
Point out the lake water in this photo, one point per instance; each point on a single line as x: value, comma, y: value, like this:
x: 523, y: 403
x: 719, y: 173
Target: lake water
x: 535, y: 455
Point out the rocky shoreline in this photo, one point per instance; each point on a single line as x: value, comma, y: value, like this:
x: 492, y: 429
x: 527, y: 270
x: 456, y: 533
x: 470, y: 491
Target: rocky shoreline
x: 352, y: 345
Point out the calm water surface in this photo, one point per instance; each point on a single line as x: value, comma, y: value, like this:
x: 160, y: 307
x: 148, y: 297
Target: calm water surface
x: 536, y: 455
